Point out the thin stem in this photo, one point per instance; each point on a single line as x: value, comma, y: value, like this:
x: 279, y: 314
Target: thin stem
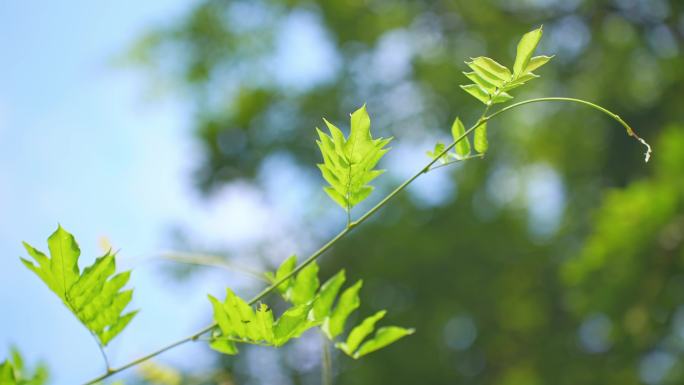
x: 352, y: 224
x: 211, y: 261
x: 616, y: 117
x: 104, y: 354
x: 456, y: 161
x: 326, y: 362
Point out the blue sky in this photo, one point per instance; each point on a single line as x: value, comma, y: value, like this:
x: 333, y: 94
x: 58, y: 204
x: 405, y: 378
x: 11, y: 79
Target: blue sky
x: 79, y: 144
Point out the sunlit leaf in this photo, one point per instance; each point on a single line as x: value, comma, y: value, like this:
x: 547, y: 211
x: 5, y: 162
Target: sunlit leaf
x: 305, y: 285
x: 478, y: 92
x: 537, y: 62
x: 463, y: 145
x: 349, y: 164
x: 526, y: 48
x: 490, y: 70
x: 326, y: 296
x: 290, y: 324
x: 383, y: 337
x: 94, y: 296
x: 439, y: 149
x: 480, y: 140
x: 360, y: 332
x: 348, y: 302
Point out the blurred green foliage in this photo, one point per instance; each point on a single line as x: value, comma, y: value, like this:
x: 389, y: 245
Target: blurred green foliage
x: 500, y: 290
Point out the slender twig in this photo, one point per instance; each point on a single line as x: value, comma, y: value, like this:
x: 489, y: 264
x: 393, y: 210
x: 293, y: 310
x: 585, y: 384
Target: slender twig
x: 326, y: 362
x: 449, y: 163
x: 616, y: 117
x: 211, y: 261
x: 351, y: 225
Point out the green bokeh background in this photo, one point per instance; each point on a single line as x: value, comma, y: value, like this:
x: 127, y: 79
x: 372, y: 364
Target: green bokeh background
x: 498, y: 292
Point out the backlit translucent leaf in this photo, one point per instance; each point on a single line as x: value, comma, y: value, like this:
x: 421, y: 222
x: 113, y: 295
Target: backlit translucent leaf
x: 480, y: 141
x: 290, y: 324
x: 326, y: 296
x: 463, y: 146
x: 526, y: 48
x: 478, y: 92
x: 360, y: 332
x: 482, y: 82
x: 224, y: 346
x: 7, y: 374
x: 537, y: 62
x: 490, y: 70
x: 349, y: 164
x: 283, y: 271
x: 348, y: 302
x: 439, y: 149
x: 94, y: 296
x: 305, y: 285
x: 383, y: 337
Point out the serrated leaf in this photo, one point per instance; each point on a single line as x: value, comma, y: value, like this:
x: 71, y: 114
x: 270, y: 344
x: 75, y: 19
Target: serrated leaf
x: 480, y: 141
x: 264, y: 322
x: 94, y: 296
x: 326, y: 296
x: 348, y: 302
x: 305, y: 285
x: 525, y: 49
x: 383, y: 337
x: 478, y: 92
x: 360, y: 332
x: 463, y: 146
x: 349, y: 163
x: 537, y: 62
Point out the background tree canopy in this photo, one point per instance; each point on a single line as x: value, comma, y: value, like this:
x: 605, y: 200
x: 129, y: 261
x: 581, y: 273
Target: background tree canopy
x: 558, y: 259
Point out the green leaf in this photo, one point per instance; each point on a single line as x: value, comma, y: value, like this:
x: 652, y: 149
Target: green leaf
x: 501, y: 97
x: 94, y: 296
x: 481, y: 145
x: 478, y: 92
x: 326, y: 296
x: 360, y: 332
x: 264, y: 322
x: 348, y: 302
x: 526, y: 48
x: 463, y: 146
x: 383, y: 337
x: 290, y: 324
x: 7, y: 374
x: 283, y: 271
x: 490, y: 70
x: 537, y: 62
x: 305, y: 285
x: 224, y: 346
x: 349, y: 164
x: 439, y: 149
x: 482, y: 82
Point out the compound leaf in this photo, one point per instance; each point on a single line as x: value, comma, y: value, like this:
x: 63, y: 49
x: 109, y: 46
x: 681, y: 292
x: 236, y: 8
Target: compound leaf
x: 94, y: 296
x: 439, y: 149
x: 349, y: 164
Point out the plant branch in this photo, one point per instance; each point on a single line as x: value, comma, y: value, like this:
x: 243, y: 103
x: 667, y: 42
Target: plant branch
x: 351, y: 225
x: 326, y: 362
x: 616, y: 117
